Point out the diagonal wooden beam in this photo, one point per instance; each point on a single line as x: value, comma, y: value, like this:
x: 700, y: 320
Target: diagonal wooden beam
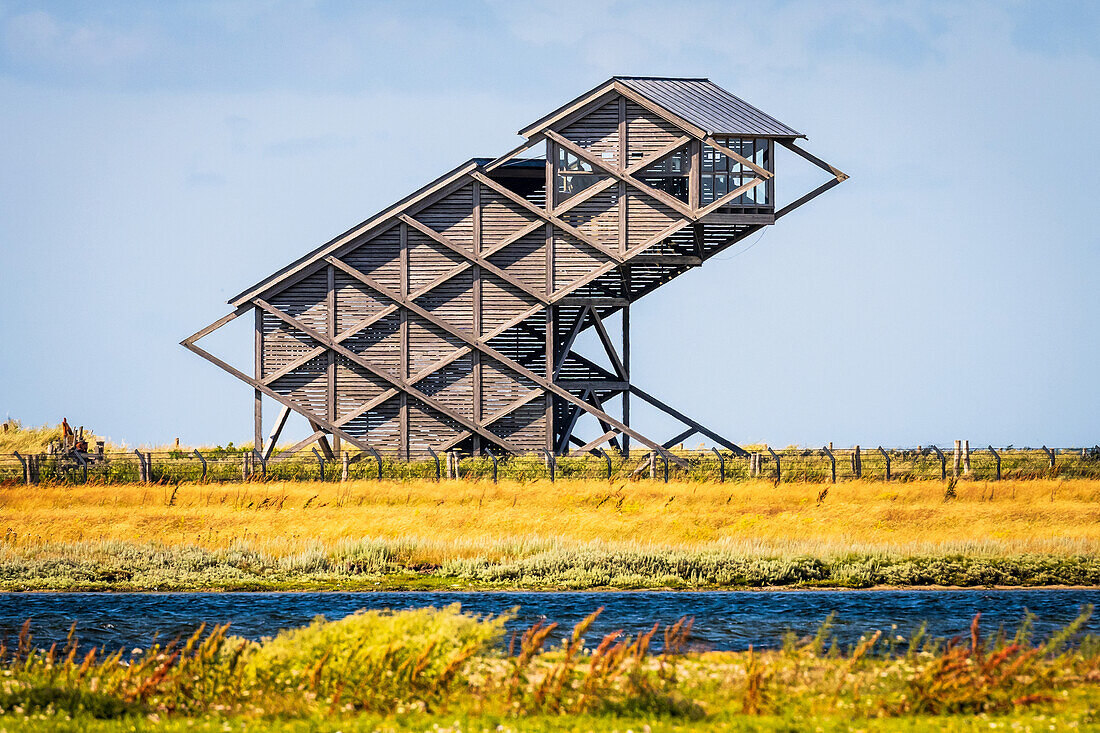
x: 475, y: 258
x: 652, y: 158
x: 614, y: 170
x: 281, y: 399
x: 737, y: 450
x: 400, y: 384
x: 573, y: 333
x: 840, y: 175
x: 514, y: 405
x: 276, y: 431
x: 300, y: 444
x: 680, y: 438
x: 609, y: 346
x: 807, y: 197
x: 592, y: 445
x: 762, y: 172
x: 721, y: 200
x: 549, y: 217
x: 314, y: 353
x: 490, y: 352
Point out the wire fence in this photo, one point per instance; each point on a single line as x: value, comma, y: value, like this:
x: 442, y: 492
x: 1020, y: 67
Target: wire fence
x: 822, y: 465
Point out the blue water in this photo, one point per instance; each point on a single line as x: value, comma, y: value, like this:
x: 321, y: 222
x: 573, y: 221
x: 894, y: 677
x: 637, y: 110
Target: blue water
x: 723, y: 620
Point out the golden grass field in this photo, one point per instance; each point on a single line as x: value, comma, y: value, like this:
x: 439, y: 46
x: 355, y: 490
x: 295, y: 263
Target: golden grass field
x: 455, y: 519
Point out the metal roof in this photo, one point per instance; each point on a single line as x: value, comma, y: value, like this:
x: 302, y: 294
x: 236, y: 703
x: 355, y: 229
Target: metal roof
x: 708, y: 106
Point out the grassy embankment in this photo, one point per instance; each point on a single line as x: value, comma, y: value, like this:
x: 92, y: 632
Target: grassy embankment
x: 568, y: 534
x: 439, y: 669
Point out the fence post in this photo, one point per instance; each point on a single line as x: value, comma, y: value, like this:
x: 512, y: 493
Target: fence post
x: 343, y: 465
x: 321, y: 460
x: 956, y: 459
x: 775, y: 457
x: 754, y: 464
x: 1051, y: 453
x: 997, y: 458
x: 721, y: 466
x: 857, y: 462
x: 550, y: 464
x: 493, y: 458
x: 832, y: 462
x: 245, y: 460
x: 26, y: 468
x: 602, y: 453
x: 887, y: 457
x: 438, y: 473
x: 653, y: 464
x: 263, y: 464
x: 665, y: 457
x: 943, y: 461
x: 142, y: 476
x: 377, y: 457
x: 199, y: 456
x: 966, y: 457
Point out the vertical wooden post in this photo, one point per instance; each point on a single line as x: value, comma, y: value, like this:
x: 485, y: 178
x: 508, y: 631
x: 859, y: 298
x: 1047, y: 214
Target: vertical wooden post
x: 1050, y: 456
x: 624, y: 271
x: 244, y: 467
x: 695, y: 148
x: 257, y: 409
x: 997, y: 458
x: 966, y: 457
x: 551, y: 196
x: 653, y: 464
x: 626, y: 368
x: 404, y: 449
x: 344, y: 465
x: 857, y: 463
x: 331, y: 332
x: 832, y: 462
x: 956, y: 459
x: 476, y: 355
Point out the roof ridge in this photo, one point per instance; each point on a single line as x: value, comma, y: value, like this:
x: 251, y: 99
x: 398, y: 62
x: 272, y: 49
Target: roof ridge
x: 665, y: 78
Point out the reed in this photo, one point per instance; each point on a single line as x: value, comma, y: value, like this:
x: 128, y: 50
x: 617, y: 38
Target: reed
x: 390, y: 669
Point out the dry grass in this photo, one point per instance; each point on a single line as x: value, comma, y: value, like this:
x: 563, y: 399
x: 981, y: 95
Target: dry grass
x: 459, y: 519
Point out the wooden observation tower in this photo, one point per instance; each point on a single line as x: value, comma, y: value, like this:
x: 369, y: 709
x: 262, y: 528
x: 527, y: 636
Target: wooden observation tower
x: 450, y: 320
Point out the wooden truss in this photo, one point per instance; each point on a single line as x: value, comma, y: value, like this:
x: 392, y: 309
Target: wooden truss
x: 450, y: 319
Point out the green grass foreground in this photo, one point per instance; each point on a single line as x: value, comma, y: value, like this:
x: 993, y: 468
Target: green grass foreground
x: 440, y: 669
x: 379, y: 565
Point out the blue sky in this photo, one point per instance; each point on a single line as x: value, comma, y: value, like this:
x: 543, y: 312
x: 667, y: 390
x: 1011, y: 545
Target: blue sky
x: 157, y: 158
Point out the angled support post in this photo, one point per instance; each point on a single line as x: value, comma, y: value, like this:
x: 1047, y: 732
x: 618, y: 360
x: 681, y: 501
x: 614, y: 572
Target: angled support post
x: 550, y: 463
x: 886, y: 456
x: 721, y: 465
x: 377, y: 457
x: 320, y: 460
x: 1051, y: 454
x: 607, y: 458
x: 26, y: 468
x: 943, y: 461
x: 203, y: 461
x: 438, y: 470
x: 997, y: 458
x: 832, y: 462
x: 263, y: 464
x: 778, y: 468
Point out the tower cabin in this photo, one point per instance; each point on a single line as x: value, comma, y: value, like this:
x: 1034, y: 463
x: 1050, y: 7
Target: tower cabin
x: 450, y: 320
